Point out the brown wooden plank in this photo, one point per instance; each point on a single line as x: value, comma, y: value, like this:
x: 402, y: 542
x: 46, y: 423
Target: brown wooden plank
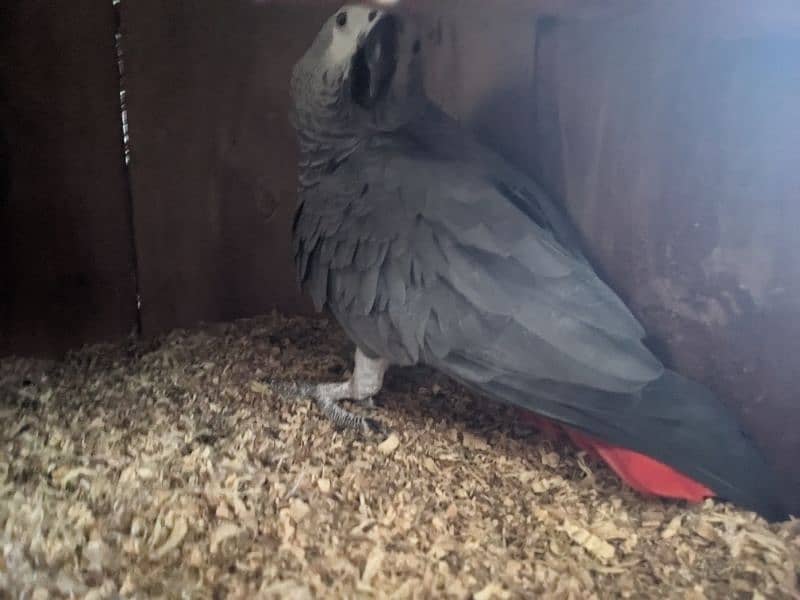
x: 677, y: 155
x: 213, y: 154
x: 66, y: 273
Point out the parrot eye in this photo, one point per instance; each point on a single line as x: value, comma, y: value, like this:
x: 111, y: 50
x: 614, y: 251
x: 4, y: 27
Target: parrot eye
x: 341, y: 19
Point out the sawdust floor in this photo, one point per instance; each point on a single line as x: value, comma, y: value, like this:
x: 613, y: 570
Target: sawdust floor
x: 168, y: 469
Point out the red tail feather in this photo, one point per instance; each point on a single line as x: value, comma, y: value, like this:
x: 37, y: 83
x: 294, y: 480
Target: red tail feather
x: 642, y: 473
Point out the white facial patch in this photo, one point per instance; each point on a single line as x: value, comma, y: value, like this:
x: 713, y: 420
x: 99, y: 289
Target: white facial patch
x: 343, y: 46
x: 344, y: 42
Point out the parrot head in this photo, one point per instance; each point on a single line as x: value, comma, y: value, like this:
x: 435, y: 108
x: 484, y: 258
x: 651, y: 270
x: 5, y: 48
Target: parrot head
x: 361, y: 74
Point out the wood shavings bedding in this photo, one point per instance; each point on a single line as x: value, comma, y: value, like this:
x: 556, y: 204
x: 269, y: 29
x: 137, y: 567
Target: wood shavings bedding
x: 168, y: 468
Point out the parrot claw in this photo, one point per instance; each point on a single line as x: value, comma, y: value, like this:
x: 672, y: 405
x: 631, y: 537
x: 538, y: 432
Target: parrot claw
x: 341, y: 417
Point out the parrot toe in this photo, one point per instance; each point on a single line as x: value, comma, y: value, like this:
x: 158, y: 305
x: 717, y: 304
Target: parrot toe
x: 341, y: 417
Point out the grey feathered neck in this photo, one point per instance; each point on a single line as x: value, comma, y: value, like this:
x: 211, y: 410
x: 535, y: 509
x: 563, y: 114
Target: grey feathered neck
x: 321, y: 154
x: 319, y: 120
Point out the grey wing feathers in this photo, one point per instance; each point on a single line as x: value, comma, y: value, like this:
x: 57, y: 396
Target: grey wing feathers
x: 452, y: 266
x: 440, y: 133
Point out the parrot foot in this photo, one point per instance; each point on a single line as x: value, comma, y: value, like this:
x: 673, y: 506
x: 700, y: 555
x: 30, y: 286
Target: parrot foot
x: 339, y: 416
x: 366, y: 381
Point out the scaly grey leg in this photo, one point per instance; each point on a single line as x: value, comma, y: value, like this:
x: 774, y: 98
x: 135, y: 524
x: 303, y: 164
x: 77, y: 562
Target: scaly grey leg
x: 366, y: 381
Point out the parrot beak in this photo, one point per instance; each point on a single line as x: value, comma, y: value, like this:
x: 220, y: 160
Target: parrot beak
x: 375, y: 62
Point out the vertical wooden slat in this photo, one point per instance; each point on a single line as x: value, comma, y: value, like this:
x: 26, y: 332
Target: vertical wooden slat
x: 213, y: 154
x: 66, y: 272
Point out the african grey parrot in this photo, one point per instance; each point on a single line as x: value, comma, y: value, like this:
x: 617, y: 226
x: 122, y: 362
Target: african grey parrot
x: 428, y: 248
